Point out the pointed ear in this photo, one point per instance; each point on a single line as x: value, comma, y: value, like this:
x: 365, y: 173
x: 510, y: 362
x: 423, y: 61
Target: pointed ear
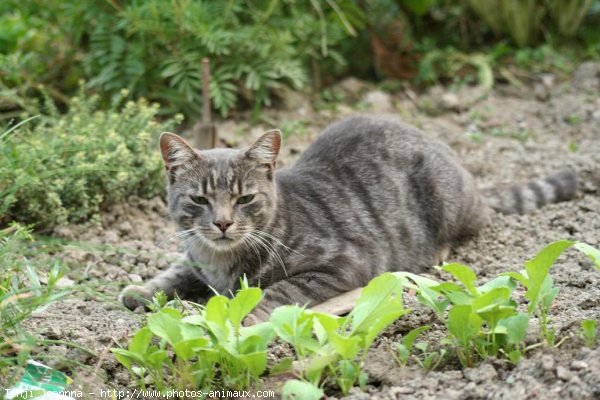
x: 175, y: 151
x: 266, y: 148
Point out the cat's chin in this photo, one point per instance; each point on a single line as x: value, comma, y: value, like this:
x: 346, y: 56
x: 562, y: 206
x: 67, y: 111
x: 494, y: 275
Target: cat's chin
x: 224, y: 244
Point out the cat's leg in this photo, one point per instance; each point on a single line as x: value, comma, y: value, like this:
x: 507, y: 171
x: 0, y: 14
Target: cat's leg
x: 180, y: 278
x: 305, y: 289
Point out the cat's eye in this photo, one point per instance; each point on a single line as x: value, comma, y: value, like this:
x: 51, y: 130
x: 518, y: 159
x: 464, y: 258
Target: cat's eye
x: 201, y: 200
x: 245, y: 199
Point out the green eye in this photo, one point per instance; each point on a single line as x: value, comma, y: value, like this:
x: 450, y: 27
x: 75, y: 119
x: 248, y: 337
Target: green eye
x: 199, y: 200
x: 245, y: 199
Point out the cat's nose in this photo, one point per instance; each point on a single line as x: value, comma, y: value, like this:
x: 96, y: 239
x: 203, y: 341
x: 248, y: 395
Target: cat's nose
x: 223, y: 224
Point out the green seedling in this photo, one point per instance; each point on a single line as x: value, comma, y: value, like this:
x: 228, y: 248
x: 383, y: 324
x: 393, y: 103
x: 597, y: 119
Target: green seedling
x: 21, y: 294
x: 429, y: 360
x: 590, y: 330
x: 211, y: 348
x: 295, y: 389
x: 329, y: 346
x: 540, y: 286
x: 404, y: 347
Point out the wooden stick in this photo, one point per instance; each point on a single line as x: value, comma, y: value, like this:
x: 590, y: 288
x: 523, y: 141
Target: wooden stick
x: 205, y: 132
x: 339, y: 305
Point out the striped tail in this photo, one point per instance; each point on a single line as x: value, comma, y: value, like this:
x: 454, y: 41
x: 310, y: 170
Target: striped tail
x: 526, y: 197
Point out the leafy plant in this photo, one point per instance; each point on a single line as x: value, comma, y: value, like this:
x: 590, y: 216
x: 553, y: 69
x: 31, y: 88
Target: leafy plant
x: 21, y: 293
x: 484, y: 320
x: 332, y: 346
x: 212, y: 349
x: 404, y: 347
x: 590, y: 331
x: 63, y: 168
x: 155, y: 48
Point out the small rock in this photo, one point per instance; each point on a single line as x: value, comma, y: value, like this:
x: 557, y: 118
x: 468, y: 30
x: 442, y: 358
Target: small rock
x: 485, y: 372
x: 352, y: 86
x: 547, y: 362
x: 125, y: 228
x: 563, y: 373
x: 450, y: 101
x: 378, y: 101
x: 587, y: 76
x: 400, y: 390
x: 579, y: 365
x: 135, y: 278
x: 294, y: 100
x: 64, y: 282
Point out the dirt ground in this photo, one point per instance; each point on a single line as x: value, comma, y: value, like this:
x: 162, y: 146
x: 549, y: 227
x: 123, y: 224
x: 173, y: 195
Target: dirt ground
x: 505, y: 135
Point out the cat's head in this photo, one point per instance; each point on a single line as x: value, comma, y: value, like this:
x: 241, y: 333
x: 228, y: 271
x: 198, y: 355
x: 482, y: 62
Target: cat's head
x: 221, y: 197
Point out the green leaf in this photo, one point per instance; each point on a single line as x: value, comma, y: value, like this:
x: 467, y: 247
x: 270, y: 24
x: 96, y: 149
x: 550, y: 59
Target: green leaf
x: 591, y: 252
x: 464, y: 275
x: 589, y: 327
x: 216, y: 314
x: 263, y: 330
x: 495, y: 296
x: 255, y: 362
x: 186, y: 349
x: 538, y: 268
x: 284, y: 366
x: 419, y: 7
x: 504, y: 281
x: 346, y: 346
x: 325, y: 325
x: 244, y: 301
x: 140, y: 341
x: 464, y: 324
x: 518, y: 277
x: 423, y: 286
x: 299, y: 390
x: 408, y: 339
x: 516, y: 327
x: 514, y: 356
x: 380, y: 303
x: 294, y: 325
x: 165, y: 326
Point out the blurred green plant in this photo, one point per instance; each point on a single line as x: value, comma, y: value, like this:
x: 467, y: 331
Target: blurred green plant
x: 62, y: 168
x: 154, y: 48
x: 21, y: 293
x: 523, y: 20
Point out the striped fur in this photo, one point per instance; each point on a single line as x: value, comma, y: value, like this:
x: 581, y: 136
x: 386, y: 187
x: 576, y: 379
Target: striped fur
x: 529, y: 196
x: 370, y: 195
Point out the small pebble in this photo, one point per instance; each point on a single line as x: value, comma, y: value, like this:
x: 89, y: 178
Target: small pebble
x: 578, y: 365
x: 135, y: 278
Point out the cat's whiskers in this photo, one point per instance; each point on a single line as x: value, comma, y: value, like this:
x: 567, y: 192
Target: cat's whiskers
x: 269, y: 247
x: 176, y: 235
x: 279, y: 242
x: 255, y: 249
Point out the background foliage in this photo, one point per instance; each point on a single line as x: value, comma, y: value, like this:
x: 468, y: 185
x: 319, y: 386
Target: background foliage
x: 61, y: 168
x: 154, y: 48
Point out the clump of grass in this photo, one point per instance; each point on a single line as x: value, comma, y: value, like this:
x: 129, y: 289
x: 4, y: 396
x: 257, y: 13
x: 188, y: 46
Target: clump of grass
x: 63, y: 168
x: 21, y: 293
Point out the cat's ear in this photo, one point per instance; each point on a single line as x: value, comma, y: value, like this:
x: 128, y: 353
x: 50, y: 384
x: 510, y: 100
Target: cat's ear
x: 175, y: 152
x: 266, y: 148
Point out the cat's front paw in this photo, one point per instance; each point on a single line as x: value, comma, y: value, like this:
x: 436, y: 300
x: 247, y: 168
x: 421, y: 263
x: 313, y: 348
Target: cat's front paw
x: 134, y: 296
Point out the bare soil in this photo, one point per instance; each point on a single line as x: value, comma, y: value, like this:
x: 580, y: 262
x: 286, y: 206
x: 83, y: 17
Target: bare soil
x: 502, y: 136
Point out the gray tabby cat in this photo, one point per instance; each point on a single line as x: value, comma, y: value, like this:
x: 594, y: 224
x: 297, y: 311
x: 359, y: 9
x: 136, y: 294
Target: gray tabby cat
x: 369, y: 195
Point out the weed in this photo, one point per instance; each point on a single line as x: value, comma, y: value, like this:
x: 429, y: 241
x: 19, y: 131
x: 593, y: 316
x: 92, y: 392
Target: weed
x: 212, y: 349
x: 404, y: 347
x: 484, y: 321
x: 21, y: 294
x: 589, y: 330
x: 332, y: 346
